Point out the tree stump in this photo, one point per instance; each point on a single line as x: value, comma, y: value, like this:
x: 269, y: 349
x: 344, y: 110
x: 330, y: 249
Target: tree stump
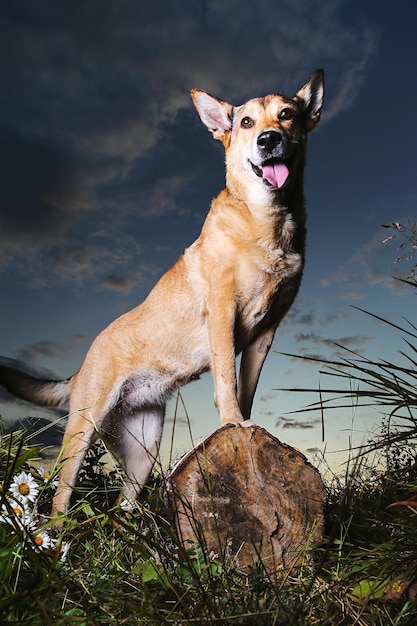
x: 242, y: 493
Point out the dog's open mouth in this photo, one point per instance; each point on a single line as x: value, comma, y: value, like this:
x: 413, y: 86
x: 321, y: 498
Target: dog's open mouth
x: 274, y: 173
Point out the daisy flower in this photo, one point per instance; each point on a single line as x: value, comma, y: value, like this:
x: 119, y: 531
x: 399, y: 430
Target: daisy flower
x: 24, y: 488
x: 126, y: 505
x: 47, y: 478
x: 43, y: 541
x: 17, y: 514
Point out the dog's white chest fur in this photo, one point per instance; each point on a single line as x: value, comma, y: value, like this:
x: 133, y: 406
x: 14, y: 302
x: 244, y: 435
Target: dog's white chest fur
x: 264, y: 282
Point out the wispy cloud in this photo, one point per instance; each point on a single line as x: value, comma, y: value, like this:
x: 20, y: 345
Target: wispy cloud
x: 348, y: 341
x: 31, y: 355
x: 291, y: 423
x: 370, y: 264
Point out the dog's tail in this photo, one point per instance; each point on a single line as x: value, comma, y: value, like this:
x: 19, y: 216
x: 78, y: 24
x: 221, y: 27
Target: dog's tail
x: 44, y: 392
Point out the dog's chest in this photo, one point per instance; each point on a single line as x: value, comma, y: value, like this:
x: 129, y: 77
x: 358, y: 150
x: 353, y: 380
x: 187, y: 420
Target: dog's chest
x: 265, y: 283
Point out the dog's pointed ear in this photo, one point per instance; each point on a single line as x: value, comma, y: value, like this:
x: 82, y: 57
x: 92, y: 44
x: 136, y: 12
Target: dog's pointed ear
x: 214, y: 113
x: 310, y: 98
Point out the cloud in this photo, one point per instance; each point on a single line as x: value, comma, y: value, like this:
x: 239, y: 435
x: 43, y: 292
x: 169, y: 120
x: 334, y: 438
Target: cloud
x: 28, y: 358
x: 116, y: 283
x: 354, y: 76
x: 96, y: 120
x: 371, y: 264
x: 310, y: 358
x: 43, y: 189
x: 267, y: 397
x: 303, y: 313
x: 347, y: 341
x: 314, y: 450
x: 287, y: 423
x: 113, y: 262
x: 297, y: 314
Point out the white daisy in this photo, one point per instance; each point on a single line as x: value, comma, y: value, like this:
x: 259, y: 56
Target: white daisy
x: 127, y: 505
x: 47, y: 478
x: 43, y: 541
x: 24, y: 488
x: 17, y: 515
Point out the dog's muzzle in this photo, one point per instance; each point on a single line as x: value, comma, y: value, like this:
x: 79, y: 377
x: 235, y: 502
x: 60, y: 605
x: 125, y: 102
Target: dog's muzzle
x: 273, y: 169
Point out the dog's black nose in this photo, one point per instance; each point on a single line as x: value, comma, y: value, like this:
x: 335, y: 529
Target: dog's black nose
x: 269, y: 140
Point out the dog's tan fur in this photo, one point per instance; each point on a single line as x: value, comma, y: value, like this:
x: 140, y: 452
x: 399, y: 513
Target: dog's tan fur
x: 225, y: 295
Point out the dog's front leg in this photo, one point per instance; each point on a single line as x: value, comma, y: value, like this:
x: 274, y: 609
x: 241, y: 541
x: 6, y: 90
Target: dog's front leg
x: 220, y: 322
x: 252, y: 360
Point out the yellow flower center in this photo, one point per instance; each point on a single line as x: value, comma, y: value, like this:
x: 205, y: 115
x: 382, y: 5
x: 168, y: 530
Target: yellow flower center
x: 17, y: 511
x: 39, y: 540
x: 24, y: 489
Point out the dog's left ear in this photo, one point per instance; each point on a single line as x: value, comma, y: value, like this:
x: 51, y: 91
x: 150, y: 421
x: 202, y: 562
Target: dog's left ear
x: 310, y: 98
x: 214, y: 113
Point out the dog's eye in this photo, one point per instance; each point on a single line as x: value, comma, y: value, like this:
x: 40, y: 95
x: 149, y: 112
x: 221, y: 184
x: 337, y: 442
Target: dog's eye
x: 247, y: 122
x: 286, y: 114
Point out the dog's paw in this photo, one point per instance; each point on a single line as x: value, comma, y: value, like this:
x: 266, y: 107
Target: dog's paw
x: 247, y: 424
x: 238, y: 422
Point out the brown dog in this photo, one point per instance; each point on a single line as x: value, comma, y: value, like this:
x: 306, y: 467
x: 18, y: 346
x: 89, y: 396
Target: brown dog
x: 226, y: 294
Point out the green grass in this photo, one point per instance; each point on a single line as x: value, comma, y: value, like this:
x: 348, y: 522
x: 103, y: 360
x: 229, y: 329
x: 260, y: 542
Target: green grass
x: 130, y: 568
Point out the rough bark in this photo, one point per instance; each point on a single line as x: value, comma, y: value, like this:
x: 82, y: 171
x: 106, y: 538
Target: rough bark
x: 243, y: 494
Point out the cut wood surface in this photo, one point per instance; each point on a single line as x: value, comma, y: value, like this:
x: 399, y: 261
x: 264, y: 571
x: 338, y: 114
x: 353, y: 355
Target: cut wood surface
x: 244, y: 494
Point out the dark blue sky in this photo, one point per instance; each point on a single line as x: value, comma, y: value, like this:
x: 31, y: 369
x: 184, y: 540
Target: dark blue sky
x: 107, y: 174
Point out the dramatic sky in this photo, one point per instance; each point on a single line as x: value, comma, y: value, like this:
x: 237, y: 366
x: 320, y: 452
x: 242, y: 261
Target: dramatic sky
x: 107, y: 174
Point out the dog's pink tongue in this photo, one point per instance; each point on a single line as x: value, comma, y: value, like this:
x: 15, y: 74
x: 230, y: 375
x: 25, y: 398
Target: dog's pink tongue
x: 276, y: 174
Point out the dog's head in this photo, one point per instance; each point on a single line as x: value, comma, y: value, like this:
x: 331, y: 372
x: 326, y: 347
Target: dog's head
x: 264, y: 139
